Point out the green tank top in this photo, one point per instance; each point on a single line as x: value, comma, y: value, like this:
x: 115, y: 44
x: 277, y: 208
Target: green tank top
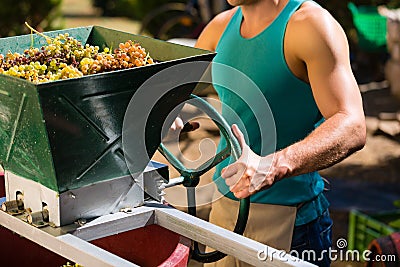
x: 271, y: 106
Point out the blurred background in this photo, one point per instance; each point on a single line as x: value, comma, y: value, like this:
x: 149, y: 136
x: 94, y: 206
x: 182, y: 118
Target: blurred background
x: 363, y: 189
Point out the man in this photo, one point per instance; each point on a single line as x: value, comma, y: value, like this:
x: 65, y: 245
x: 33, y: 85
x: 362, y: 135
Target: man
x: 298, y: 56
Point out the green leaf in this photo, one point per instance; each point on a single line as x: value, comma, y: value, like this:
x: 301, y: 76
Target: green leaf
x: 395, y: 224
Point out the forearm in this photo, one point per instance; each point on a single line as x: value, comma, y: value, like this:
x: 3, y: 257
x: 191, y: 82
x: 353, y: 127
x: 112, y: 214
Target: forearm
x: 335, y: 139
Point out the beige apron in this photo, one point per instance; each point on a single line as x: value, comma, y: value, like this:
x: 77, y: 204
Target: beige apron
x: 268, y: 224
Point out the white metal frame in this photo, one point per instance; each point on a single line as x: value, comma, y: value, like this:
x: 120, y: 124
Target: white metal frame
x: 72, y: 243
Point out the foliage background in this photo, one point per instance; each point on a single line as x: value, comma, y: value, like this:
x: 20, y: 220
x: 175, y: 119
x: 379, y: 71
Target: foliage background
x: 136, y: 9
x: 39, y: 14
x: 342, y: 14
x: 43, y: 14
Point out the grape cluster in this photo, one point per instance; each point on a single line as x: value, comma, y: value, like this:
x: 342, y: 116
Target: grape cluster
x: 65, y: 57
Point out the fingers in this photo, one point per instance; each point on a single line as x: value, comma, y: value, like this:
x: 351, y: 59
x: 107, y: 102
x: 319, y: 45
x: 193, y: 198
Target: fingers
x: 250, y: 189
x: 242, y: 194
x: 260, y: 181
x: 232, y: 174
x: 230, y: 171
x: 233, y: 178
x: 244, y: 182
x: 237, y: 177
x: 250, y: 173
x: 239, y: 136
x: 177, y: 124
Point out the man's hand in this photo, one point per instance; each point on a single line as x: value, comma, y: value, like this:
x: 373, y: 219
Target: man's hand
x: 250, y: 173
x: 178, y: 125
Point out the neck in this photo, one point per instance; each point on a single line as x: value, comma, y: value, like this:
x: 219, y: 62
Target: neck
x: 260, y: 13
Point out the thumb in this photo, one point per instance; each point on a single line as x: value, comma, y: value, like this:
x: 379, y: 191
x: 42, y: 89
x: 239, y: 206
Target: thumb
x: 239, y: 136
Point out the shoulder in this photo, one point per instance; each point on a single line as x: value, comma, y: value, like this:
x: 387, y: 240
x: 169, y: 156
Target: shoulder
x: 311, y: 13
x: 211, y: 34
x: 311, y: 20
x: 314, y: 27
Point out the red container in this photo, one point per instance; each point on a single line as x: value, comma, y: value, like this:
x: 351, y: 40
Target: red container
x: 147, y: 246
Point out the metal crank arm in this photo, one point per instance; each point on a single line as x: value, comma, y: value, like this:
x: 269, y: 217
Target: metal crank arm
x: 191, y: 177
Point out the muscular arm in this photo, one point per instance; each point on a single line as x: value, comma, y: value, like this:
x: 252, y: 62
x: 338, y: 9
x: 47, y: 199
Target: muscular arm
x: 316, y: 50
x: 322, y: 45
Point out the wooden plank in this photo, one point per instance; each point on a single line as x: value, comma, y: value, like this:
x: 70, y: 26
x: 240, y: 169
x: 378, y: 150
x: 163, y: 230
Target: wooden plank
x: 115, y: 223
x: 68, y: 246
x: 243, y: 248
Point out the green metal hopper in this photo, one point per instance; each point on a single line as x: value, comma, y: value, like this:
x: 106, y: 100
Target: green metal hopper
x: 67, y: 134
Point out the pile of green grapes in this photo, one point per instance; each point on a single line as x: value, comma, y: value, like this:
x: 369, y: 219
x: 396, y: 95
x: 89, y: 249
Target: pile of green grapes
x: 65, y: 57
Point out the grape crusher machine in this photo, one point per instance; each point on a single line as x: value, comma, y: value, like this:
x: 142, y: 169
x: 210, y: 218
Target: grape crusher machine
x: 67, y: 181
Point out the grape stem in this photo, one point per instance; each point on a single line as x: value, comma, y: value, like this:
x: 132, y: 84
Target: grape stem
x: 32, y: 42
x: 147, y: 57
x: 37, y: 32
